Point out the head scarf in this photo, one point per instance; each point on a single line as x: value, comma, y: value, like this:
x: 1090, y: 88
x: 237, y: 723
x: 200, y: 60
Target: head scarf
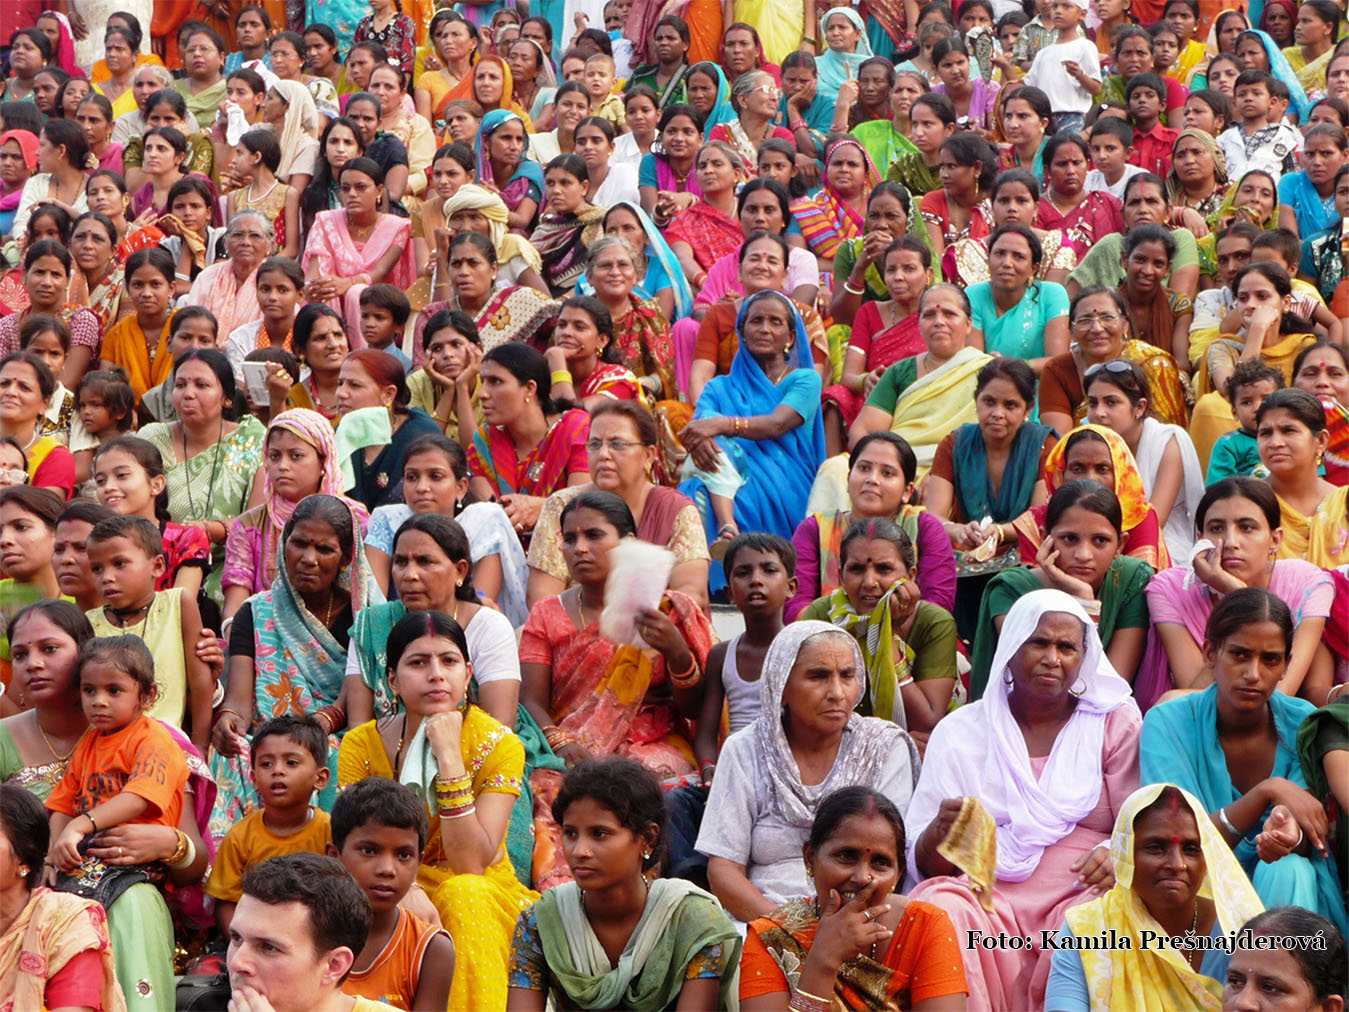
x: 471, y: 197
x: 1283, y: 70
x: 547, y: 77
x: 1211, y: 44
x: 1287, y: 5
x: 1128, y: 482
x: 872, y: 176
x: 64, y: 57
x: 659, y: 250
x: 1228, y: 208
x: 507, y: 100
x: 1175, y: 190
x: 490, y: 124
x: 835, y: 68
x: 867, y: 741
x: 27, y: 142
x: 302, y: 120
x: 722, y: 111
x: 1161, y: 977
x: 1033, y: 812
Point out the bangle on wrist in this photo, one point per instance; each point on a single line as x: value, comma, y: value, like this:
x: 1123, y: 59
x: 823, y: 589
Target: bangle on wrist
x: 798, y: 124
x: 848, y: 287
x: 1227, y: 823
x: 561, y: 376
x: 804, y: 1001
x: 90, y: 817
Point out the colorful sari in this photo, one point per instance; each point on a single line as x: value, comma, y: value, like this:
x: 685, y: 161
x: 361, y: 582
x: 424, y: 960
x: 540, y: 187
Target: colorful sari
x: 1158, y: 327
x: 205, y: 104
x: 127, y: 346
x: 562, y: 241
x: 513, y: 313
x: 966, y: 262
x: 1142, y: 532
x: 331, y: 249
x: 937, y: 403
x: 612, y: 382
x: 826, y: 219
x: 543, y: 470
x: 509, y: 246
x: 642, y: 340
x: 52, y: 929
x: 710, y: 233
x: 1175, y: 190
x: 659, y: 254
x: 1099, y: 215
x: 722, y: 111
x: 231, y: 301
x: 883, y: 349
x: 526, y: 182
x: 1312, y: 76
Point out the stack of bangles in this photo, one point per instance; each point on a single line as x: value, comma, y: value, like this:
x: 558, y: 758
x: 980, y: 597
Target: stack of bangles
x: 558, y: 739
x: 804, y: 1001
x: 688, y: 678
x: 184, y: 854
x: 454, y: 797
x: 739, y: 426
x: 333, y: 716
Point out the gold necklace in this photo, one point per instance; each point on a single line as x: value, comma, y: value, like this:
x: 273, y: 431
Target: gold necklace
x: 52, y: 748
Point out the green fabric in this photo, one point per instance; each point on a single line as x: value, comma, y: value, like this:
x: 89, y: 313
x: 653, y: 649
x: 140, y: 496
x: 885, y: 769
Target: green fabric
x: 892, y: 384
x: 845, y: 258
x: 910, y: 169
x: 141, y: 931
x: 10, y: 760
x: 1123, y: 606
x: 883, y: 143
x: 1103, y: 265
x: 886, y: 655
x: 356, y: 431
x: 932, y: 638
x: 696, y: 922
x: 1325, y: 731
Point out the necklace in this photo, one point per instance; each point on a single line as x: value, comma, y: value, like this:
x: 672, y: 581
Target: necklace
x: 254, y: 200
x: 52, y: 748
x: 122, y: 615
x: 581, y: 608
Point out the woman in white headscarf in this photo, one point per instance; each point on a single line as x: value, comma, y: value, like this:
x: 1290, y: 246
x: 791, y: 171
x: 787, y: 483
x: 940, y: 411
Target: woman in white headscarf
x: 1051, y: 752
x: 296, y: 122
x: 806, y: 743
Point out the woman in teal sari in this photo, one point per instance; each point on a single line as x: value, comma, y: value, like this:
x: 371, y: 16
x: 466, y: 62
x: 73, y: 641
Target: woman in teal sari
x: 288, y: 648
x: 1240, y: 730
x: 710, y: 94
x: 664, y: 280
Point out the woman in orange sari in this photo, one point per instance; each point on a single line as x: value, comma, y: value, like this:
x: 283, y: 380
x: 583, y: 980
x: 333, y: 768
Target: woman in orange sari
x: 128, y: 344
x: 594, y: 697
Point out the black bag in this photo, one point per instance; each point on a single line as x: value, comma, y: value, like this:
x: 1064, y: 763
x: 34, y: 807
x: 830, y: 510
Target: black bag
x: 203, y: 993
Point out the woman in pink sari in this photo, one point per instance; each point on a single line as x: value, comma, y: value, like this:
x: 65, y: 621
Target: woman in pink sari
x: 229, y: 287
x: 1085, y: 218
x: 357, y: 246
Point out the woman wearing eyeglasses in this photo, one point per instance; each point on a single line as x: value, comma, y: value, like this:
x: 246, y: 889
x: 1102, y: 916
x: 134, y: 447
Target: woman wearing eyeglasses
x: 1100, y: 330
x: 622, y: 452
x: 755, y: 100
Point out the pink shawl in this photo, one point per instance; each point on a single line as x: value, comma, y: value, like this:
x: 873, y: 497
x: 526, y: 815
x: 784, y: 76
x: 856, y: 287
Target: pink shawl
x: 233, y: 304
x: 332, y: 248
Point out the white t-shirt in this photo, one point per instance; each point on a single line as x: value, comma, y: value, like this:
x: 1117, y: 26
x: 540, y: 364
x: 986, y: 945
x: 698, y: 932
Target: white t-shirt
x: 619, y: 184
x: 1096, y: 182
x: 1047, y: 74
x: 491, y: 649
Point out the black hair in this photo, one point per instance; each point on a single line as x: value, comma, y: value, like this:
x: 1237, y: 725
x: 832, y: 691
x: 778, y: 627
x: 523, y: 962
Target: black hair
x: 108, y: 227
x: 44, y: 503
x: 292, y: 271
x: 1326, y: 970
x: 171, y: 136
x: 608, y: 505
x: 65, y: 225
x: 125, y: 653
x: 388, y: 297
x: 570, y: 88
x: 63, y: 614
x: 572, y: 164
x: 1298, y: 403
x: 1240, y: 487
x: 1016, y: 371
x: 1238, y: 609
x: 1012, y: 19
x: 483, y: 244
x: 1328, y: 12
x: 1010, y: 176
x: 1063, y: 139
x: 376, y: 50
x: 84, y: 511
x: 453, y: 319
x: 414, y: 625
x: 1217, y: 101
x: 526, y: 364
x: 339, y: 911
x: 1037, y: 253
x: 1142, y: 178
x: 969, y: 149
x: 251, y: 78
x: 460, y: 152
x: 448, y: 536
x: 114, y: 177
x: 40, y: 323
x: 1256, y: 370
x: 378, y: 801
x: 800, y: 58
x: 169, y: 97
x: 119, y: 398
x: 37, y: 38
x: 674, y: 110
x: 190, y: 313
x: 880, y: 529
x: 1091, y: 496
x: 1152, y: 82
x: 1125, y: 376
x: 255, y: 9
x: 26, y: 828
x: 1115, y: 127
x: 908, y: 460
x: 945, y: 47
x: 69, y: 135
x: 295, y: 39
x: 861, y: 801
x: 264, y: 143
x: 601, y: 39
x: 47, y: 247
x: 280, y: 356
x: 155, y: 257
x: 1289, y: 323
x: 142, y: 451
x: 46, y: 382
x: 1341, y: 110
x: 776, y: 189
x: 215, y: 360
x: 600, y: 317
x: 191, y: 184
x: 640, y: 91
x: 315, y: 196
x: 139, y: 531
x: 1318, y: 345
x: 1140, y: 234
x: 1252, y: 78
x: 22, y: 115
x: 302, y: 730
x: 941, y: 107
x: 332, y: 511
x: 776, y: 238
x: 368, y: 166
x: 759, y: 541
x: 624, y: 787
x: 599, y: 123
x: 436, y: 442
x: 796, y: 186
x: 1160, y: 28
x: 1283, y: 241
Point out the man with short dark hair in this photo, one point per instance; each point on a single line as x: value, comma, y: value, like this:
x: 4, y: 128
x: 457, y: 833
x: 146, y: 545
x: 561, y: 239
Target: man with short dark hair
x: 294, y: 936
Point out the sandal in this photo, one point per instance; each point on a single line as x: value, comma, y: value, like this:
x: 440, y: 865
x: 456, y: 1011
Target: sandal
x: 723, y: 540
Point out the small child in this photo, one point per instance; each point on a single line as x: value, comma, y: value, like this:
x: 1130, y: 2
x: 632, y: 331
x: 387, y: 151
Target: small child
x: 1166, y: 47
x: 126, y: 557
x: 378, y: 833
x: 384, y: 315
x: 1235, y: 452
x: 127, y: 768
x: 1283, y: 247
x: 257, y: 157
x: 453, y: 353
x: 107, y: 409
x: 49, y: 339
x: 1146, y: 97
x: 1258, y: 139
x: 289, y: 761
x: 191, y: 327
x: 1009, y: 29
x: 599, y: 82
x: 1112, y: 143
x: 1068, y: 69
x: 1035, y: 34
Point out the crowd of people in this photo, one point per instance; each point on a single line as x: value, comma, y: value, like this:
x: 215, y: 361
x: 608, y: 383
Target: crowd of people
x: 682, y: 505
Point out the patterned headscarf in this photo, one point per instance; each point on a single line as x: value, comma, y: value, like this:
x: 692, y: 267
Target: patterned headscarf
x: 1175, y: 189
x: 1128, y: 482
x: 472, y: 197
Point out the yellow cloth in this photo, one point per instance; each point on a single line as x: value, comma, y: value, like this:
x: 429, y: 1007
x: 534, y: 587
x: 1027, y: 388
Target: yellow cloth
x: 479, y: 911
x: 1211, y: 419
x: 124, y: 345
x: 1192, y: 59
x: 162, y: 631
x: 780, y: 25
x: 938, y: 404
x: 972, y: 846
x: 1157, y: 978
x: 250, y: 842
x: 50, y: 930
x: 1322, y: 538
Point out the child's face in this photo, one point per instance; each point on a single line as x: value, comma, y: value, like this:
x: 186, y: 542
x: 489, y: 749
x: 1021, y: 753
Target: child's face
x: 277, y: 297
x: 1274, y: 256
x: 285, y: 773
x: 111, y: 698
x: 124, y: 571
x: 293, y: 465
x: 1064, y: 14
x: 448, y: 352
x: 613, y: 17
x: 1253, y: 102
x: 1247, y: 400
x: 47, y: 346
x: 25, y: 542
x: 760, y: 583
x: 377, y: 326
x: 1165, y: 50
x: 1108, y: 153
x: 243, y: 164
x: 1233, y: 253
x: 72, y: 562
x: 383, y: 861
x: 192, y: 333
x: 642, y: 115
x: 95, y: 415
x: 192, y: 211
x: 1145, y: 105
x: 124, y: 486
x: 599, y: 79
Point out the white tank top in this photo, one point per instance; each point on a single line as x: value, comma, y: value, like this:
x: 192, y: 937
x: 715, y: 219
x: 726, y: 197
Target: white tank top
x: 742, y: 697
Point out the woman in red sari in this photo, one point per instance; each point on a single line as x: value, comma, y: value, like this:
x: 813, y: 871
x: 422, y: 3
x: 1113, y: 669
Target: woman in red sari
x: 582, y: 360
x: 641, y: 336
x: 708, y: 230
x: 1086, y: 218
x: 594, y: 697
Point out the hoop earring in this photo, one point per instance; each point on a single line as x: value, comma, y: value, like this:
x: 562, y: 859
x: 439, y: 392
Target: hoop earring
x: 1079, y: 693
x: 1007, y: 678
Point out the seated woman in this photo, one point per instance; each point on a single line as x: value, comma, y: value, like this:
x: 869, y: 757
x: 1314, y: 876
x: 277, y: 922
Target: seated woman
x: 1325, y: 253
x: 528, y: 446
x: 663, y: 279
x: 666, y: 943
x: 1014, y: 314
x: 594, y: 697
x: 622, y: 452
x: 468, y: 769
x: 766, y: 414
x: 641, y: 332
x: 987, y: 473
x: 1291, y: 436
x: 1314, y: 980
x: 1095, y: 453
x: 706, y: 231
x: 1234, y: 747
x: 610, y: 180
x: 229, y: 288
x: 838, y: 212
x: 1052, y: 767
x: 1157, y: 315
x: 820, y: 945
x: 972, y: 96
x: 500, y: 147
x: 760, y: 808
x: 1307, y: 198
x: 319, y: 340
x: 46, y: 279
x: 161, y: 106
x: 881, y: 469
x: 138, y: 343
x: 925, y: 397
x: 26, y: 390
x: 473, y: 208
x: 1198, y: 176
x: 754, y: 98
x: 1080, y: 556
x: 859, y: 263
x: 435, y: 480
x: 960, y: 209
x: 932, y: 123
x: 567, y: 224
x: 1101, y: 330
x: 398, y: 120
x: 911, y: 669
x: 1173, y: 873
x: 1119, y: 398
x: 374, y: 379
x: 582, y: 359
x: 287, y: 645
x: 1015, y: 195
x: 1083, y: 216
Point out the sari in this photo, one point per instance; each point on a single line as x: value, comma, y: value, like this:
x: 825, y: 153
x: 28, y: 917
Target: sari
x: 883, y: 142
x: 659, y: 254
x: 835, y: 68
x: 920, y: 961
x: 1142, y: 533
x: 1316, y: 215
x: 642, y: 340
x: 966, y: 262
x: 1167, y: 393
x: 1327, y: 261
x: 1311, y: 75
x: 1158, y: 326
x: 826, y: 220
x: 299, y: 132
x: 612, y: 699
x: 683, y: 934
x: 205, y: 104
x: 974, y: 493
x: 1300, y: 105
x: 331, y: 249
x: 1180, y: 746
x: 722, y: 111
x: 562, y: 241
x: 507, y: 101
x: 1140, y: 976
x: 512, y: 313
x: 710, y: 233
x: 1099, y: 215
x: 127, y: 346
x: 526, y: 181
x: 52, y: 929
x: 1321, y: 538
x: 231, y: 301
x: 1326, y: 731
x: 543, y: 470
x: 611, y: 381
x: 933, y: 405
x: 883, y: 349
x: 1175, y: 190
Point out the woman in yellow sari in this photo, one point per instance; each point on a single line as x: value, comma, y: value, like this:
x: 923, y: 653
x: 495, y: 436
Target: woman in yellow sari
x: 1174, y: 873
x: 1291, y: 435
x: 138, y: 344
x: 1315, y: 42
x: 467, y: 768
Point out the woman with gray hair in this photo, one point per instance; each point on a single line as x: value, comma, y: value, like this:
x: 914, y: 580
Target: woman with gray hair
x: 229, y: 288
x: 754, y: 97
x: 149, y: 78
x: 641, y: 332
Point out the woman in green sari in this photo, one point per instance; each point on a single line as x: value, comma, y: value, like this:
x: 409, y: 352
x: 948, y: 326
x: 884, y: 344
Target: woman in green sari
x: 204, y: 86
x: 933, y: 120
x: 1080, y: 556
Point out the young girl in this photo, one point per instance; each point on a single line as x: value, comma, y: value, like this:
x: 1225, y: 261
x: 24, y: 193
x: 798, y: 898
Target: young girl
x: 446, y: 386
x: 279, y: 283
x: 584, y: 351
x: 107, y: 408
x: 320, y: 340
x: 126, y: 769
x: 137, y: 343
x: 129, y: 475
x: 49, y: 339
x: 257, y: 156
x: 28, y: 518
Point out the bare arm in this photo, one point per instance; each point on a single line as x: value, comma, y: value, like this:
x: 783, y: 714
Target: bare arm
x: 200, y: 684
x: 1126, y: 651
x: 871, y: 419
x: 437, y: 974
x: 738, y: 895
x: 379, y: 569
x: 1166, y: 489
x: 523, y: 214
x: 500, y: 699
x: 1183, y: 656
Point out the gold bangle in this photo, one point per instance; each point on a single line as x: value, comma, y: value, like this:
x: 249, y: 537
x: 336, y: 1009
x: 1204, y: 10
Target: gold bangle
x: 687, y: 678
x: 178, y: 852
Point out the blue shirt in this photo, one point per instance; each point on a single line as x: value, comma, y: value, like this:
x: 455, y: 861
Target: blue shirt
x: 1019, y: 332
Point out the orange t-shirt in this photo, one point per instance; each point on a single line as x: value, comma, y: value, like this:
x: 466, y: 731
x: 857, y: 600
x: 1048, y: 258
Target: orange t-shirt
x: 396, y: 971
x: 141, y: 758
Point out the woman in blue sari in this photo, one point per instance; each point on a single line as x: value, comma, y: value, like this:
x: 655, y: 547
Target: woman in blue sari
x: 757, y: 437
x: 710, y: 94
x: 1307, y: 198
x: 1278, y: 65
x: 1240, y: 730
x: 502, y: 166
x: 846, y: 48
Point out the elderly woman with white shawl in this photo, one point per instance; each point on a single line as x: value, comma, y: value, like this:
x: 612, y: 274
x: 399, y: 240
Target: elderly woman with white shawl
x: 1051, y: 752
x: 807, y: 743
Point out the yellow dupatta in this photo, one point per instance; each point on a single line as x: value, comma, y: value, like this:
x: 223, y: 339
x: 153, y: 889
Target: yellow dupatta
x: 1157, y: 977
x: 52, y: 929
x: 1321, y: 538
x: 938, y: 404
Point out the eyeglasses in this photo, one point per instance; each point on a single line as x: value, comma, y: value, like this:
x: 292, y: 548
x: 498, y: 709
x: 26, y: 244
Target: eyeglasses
x: 767, y: 89
x: 1104, y: 319
x: 13, y: 476
x: 616, y: 446
x: 1117, y: 366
